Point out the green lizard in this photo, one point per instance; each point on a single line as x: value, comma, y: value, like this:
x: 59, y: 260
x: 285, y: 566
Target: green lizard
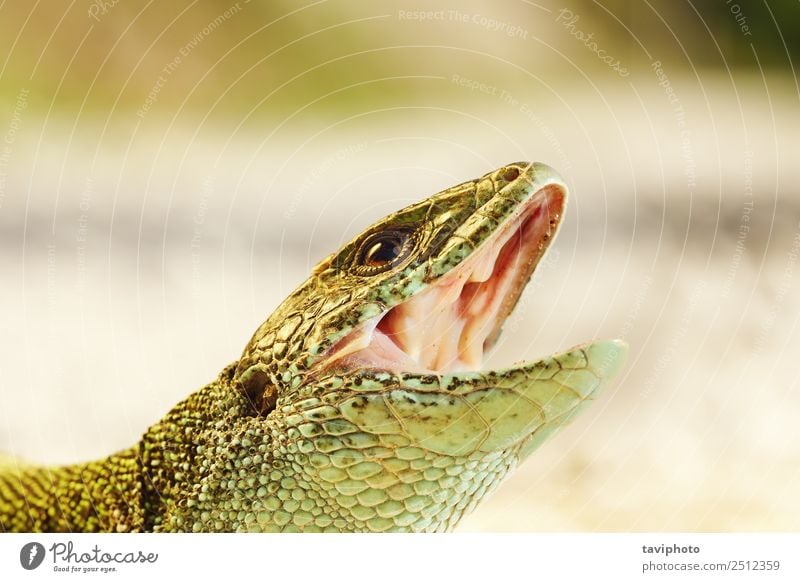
x: 359, y: 404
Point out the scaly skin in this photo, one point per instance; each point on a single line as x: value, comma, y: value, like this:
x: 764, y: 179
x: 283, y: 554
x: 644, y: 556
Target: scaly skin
x: 290, y: 439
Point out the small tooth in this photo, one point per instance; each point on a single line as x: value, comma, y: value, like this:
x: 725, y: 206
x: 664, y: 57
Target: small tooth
x: 410, y: 336
x: 360, y: 339
x: 415, y: 322
x: 451, y: 293
x: 479, y: 301
x: 483, y: 270
x: 432, y: 332
x: 409, y: 323
x: 440, y: 334
x: 473, y: 357
x: 485, y: 267
x: 448, y: 346
x: 440, y: 299
x: 470, y: 346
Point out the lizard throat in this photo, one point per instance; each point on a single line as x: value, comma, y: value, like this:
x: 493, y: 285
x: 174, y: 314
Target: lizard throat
x: 449, y: 326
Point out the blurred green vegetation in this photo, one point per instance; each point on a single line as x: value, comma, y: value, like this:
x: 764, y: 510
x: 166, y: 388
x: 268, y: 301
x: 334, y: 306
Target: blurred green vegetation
x: 710, y: 34
x: 108, y: 57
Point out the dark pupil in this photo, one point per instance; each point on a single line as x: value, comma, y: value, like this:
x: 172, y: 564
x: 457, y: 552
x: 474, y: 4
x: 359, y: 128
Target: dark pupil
x: 383, y: 251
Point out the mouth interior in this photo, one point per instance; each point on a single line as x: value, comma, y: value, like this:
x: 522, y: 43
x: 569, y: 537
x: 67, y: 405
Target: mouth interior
x: 449, y: 326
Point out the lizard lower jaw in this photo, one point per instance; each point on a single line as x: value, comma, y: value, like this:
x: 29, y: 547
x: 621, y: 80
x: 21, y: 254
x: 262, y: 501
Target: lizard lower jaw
x: 449, y: 326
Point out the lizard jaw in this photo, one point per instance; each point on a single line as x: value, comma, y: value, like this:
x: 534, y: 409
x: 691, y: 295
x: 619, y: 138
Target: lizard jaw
x: 448, y: 326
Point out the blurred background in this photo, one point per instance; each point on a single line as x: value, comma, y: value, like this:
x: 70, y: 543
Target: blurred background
x: 170, y: 171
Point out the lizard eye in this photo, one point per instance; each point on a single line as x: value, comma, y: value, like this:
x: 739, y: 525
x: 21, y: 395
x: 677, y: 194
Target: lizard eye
x: 383, y: 250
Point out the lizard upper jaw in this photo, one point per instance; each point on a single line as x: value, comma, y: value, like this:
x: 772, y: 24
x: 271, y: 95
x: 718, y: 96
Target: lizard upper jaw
x: 448, y: 326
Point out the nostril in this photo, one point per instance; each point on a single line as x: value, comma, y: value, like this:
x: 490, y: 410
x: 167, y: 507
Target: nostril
x: 510, y: 174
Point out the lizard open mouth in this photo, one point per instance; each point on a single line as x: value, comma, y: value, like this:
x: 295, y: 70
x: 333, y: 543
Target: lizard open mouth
x: 448, y: 326
x: 424, y: 294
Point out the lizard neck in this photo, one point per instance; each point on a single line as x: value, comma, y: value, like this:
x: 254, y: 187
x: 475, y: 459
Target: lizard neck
x: 134, y: 490
x: 90, y: 497
x: 172, y: 449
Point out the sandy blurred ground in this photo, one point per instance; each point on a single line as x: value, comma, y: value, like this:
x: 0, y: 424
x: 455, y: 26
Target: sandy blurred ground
x: 138, y: 254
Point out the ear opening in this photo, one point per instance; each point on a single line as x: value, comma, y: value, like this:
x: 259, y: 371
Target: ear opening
x: 254, y: 384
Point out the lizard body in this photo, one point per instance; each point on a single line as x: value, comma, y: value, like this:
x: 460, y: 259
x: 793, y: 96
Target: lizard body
x: 359, y: 404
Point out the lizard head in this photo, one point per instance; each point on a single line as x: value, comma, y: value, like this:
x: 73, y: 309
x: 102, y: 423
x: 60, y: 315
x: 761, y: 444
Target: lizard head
x: 369, y: 375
